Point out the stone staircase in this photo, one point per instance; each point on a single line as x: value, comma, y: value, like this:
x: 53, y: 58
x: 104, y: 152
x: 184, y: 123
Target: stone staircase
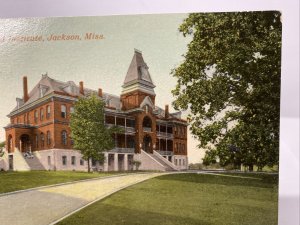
x: 167, y: 167
x: 34, y: 163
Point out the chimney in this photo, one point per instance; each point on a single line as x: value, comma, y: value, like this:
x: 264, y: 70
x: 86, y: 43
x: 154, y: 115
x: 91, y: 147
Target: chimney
x: 81, y: 91
x: 166, y: 111
x: 100, y: 94
x: 25, y: 89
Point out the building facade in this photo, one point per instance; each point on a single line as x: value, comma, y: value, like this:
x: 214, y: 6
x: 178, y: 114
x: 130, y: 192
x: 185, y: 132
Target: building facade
x: 38, y: 136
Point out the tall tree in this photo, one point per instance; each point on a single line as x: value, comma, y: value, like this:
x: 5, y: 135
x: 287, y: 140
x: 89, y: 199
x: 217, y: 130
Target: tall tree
x: 230, y: 82
x: 88, y: 131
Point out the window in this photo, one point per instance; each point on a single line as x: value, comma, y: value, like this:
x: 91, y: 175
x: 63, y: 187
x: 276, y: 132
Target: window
x: 64, y: 137
x: 71, y: 109
x: 48, y: 112
x: 179, y: 162
x: 147, y: 108
x: 42, y: 140
x: 48, y: 137
x: 18, y: 121
x: 36, y: 116
x: 49, y: 160
x: 81, y: 162
x: 73, y: 160
x: 41, y: 114
x: 64, y: 160
x: 24, y: 118
x: 63, y: 111
x: 176, y: 162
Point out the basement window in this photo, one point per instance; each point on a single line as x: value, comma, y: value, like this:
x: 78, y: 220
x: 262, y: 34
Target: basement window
x: 64, y: 160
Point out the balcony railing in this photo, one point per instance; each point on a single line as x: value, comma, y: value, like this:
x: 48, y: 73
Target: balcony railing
x: 130, y: 129
x: 164, y: 134
x: 147, y: 129
x: 122, y: 150
x: 162, y: 152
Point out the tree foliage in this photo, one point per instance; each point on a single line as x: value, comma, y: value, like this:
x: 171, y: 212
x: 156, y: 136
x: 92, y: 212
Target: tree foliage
x: 230, y: 82
x: 89, y: 133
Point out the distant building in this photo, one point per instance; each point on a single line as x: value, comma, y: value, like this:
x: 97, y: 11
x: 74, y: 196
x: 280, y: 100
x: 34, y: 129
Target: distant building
x: 38, y: 136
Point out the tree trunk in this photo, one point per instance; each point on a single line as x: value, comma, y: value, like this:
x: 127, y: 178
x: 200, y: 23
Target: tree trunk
x: 89, y: 169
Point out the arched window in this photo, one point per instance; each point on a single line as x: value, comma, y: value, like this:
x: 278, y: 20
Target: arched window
x: 42, y: 140
x: 36, y: 116
x: 48, y: 137
x: 63, y: 109
x: 41, y: 114
x: 71, y: 109
x: 64, y: 137
x: 48, y: 111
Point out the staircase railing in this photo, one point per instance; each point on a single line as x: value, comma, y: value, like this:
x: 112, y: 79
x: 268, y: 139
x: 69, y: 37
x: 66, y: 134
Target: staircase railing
x: 165, y: 160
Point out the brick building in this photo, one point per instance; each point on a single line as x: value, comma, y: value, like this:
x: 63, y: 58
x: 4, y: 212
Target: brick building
x: 38, y: 136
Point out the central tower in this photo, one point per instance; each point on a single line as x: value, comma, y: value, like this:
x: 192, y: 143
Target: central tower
x: 137, y: 84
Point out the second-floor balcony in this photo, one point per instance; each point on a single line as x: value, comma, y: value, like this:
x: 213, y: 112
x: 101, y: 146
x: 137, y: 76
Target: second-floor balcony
x: 122, y: 150
x: 165, y: 134
x: 147, y: 129
x: 125, y: 129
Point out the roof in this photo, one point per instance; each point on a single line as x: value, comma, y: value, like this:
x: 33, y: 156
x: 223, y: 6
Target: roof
x: 138, y: 70
x: 48, y: 85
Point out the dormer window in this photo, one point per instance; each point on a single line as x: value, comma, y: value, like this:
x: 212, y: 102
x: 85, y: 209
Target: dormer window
x: 43, y: 90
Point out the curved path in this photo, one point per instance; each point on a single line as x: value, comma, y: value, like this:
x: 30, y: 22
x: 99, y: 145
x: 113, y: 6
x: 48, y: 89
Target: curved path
x: 46, y: 205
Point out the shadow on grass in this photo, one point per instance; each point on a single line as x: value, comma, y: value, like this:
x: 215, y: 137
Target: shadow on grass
x: 263, y: 181
x: 114, y: 215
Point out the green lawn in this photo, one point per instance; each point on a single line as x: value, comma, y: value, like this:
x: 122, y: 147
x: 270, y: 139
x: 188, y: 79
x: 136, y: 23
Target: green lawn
x: 13, y: 181
x: 189, y: 199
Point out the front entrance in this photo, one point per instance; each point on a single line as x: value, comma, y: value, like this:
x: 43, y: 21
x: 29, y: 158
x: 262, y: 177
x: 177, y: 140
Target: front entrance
x: 11, y: 162
x: 24, y: 143
x: 147, y: 145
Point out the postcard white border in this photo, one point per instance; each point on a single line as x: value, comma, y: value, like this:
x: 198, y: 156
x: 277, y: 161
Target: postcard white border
x: 289, y: 137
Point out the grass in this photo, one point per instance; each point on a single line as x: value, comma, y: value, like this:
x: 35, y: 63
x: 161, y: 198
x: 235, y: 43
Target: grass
x: 14, y: 181
x: 188, y: 199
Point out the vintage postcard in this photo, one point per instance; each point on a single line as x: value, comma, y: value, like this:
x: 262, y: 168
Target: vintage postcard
x: 144, y: 119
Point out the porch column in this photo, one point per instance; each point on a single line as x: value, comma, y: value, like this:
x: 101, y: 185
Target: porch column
x: 105, y: 164
x: 116, y: 162
x: 125, y: 161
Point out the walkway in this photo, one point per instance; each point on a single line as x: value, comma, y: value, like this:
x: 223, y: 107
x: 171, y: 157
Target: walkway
x: 46, y: 205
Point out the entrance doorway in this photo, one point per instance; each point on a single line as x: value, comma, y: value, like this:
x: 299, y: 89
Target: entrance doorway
x: 147, y: 145
x: 24, y: 143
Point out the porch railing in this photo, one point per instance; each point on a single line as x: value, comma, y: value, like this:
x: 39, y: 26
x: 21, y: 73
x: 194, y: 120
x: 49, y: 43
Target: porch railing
x: 162, y: 152
x: 164, y: 134
x: 122, y: 150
